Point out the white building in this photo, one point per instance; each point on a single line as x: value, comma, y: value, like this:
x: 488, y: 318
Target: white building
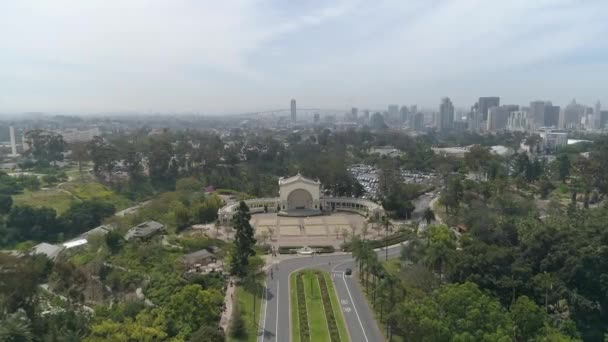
x: 72, y: 135
x: 518, y: 121
x: 553, y: 138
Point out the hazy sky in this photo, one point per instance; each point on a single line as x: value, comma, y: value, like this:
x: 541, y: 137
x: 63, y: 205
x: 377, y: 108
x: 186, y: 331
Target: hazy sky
x: 225, y: 56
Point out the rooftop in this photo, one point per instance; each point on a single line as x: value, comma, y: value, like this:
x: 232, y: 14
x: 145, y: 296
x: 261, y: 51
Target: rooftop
x: 297, y: 178
x: 145, y: 229
x: 51, y: 251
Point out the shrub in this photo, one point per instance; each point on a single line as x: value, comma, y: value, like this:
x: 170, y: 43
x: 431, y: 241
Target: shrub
x: 292, y: 249
x: 334, y: 334
x: 302, y: 314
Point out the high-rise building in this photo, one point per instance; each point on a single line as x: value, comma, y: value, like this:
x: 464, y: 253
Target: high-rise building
x: 403, y: 113
x: 551, y: 115
x: 416, y: 121
x: 366, y: 115
x: 474, y: 119
x: 597, y: 115
x: 603, y: 119
x: 486, y: 103
x: 572, y: 115
x: 393, y: 112
x: 413, y: 109
x: 13, y: 144
x: 445, y: 119
x: 536, y: 114
x: 499, y: 116
x: 518, y: 121
x: 354, y: 113
x: 293, y: 110
x: 316, y: 118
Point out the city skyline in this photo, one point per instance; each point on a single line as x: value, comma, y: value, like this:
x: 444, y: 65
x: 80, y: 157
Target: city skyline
x: 245, y: 56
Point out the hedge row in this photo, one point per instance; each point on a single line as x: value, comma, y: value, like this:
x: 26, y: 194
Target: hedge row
x: 334, y: 333
x: 293, y: 249
x: 302, y: 314
x: 389, y: 241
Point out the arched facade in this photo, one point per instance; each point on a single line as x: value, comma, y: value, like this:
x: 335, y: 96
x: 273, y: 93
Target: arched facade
x: 301, y: 196
x: 299, y: 199
x: 299, y: 193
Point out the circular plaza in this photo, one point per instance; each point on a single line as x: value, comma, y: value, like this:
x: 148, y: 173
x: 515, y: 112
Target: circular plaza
x: 301, y: 216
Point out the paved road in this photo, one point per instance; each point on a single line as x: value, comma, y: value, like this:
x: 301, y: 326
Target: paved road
x: 358, y: 315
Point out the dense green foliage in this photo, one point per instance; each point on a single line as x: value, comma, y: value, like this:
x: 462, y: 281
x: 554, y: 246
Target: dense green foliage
x: 243, y: 241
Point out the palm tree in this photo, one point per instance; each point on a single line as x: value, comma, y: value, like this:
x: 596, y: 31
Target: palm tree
x: 439, y: 249
x: 16, y: 327
x: 357, y: 246
x: 429, y: 215
x: 387, y: 226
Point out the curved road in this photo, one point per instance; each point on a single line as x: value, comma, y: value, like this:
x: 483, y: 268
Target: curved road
x: 359, y: 317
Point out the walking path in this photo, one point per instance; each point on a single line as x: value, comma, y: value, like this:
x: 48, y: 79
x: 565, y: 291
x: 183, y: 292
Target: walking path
x: 228, y: 302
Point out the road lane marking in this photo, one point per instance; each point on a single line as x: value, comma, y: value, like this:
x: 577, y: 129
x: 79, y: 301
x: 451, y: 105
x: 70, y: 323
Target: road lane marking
x: 262, y: 322
x: 355, y: 307
x: 276, y: 329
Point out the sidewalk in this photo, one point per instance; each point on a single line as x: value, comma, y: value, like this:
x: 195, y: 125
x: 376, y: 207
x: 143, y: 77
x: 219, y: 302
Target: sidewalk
x: 228, y: 302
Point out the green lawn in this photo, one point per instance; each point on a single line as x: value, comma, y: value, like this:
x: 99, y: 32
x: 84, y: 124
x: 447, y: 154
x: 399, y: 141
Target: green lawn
x: 293, y: 298
x: 245, y: 300
x: 89, y: 190
x: 60, y: 198
x: 52, y: 198
x: 314, y: 306
x: 317, y: 321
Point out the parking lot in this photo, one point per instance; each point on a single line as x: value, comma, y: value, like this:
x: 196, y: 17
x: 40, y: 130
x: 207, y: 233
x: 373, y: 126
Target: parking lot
x: 368, y: 177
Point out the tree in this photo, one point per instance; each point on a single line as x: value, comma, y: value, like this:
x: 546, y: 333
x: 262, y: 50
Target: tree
x: 208, y: 333
x: 16, y: 327
x: 182, y: 216
x: 455, y: 312
x: 6, y: 202
x: 192, y: 307
x: 114, y: 241
x: 563, y: 167
x: 428, y: 215
x: 243, y: 241
x: 237, y: 324
x: 439, y: 249
x: 45, y: 146
x: 529, y: 319
x: 85, y: 215
x: 29, y: 223
x: 80, y: 154
x: 103, y: 155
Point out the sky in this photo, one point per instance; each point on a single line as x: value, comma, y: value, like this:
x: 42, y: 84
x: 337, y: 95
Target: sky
x: 232, y: 56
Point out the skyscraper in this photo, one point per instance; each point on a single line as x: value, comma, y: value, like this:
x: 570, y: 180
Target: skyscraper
x: 445, y: 120
x: 393, y: 112
x: 536, y: 114
x: 551, y: 115
x: 416, y: 121
x: 572, y: 115
x: 403, y: 113
x: 597, y: 115
x: 499, y: 116
x: 486, y: 103
x: 293, y: 110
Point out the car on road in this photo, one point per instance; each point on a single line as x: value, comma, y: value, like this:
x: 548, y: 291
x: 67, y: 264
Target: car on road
x: 348, y: 271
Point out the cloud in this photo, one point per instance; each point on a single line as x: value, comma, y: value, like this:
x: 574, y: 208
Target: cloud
x: 226, y: 56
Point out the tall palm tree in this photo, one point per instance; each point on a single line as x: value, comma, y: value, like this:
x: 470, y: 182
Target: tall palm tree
x: 429, y: 215
x: 387, y: 226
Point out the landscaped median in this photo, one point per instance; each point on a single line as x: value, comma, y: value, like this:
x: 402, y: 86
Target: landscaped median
x: 315, y: 310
